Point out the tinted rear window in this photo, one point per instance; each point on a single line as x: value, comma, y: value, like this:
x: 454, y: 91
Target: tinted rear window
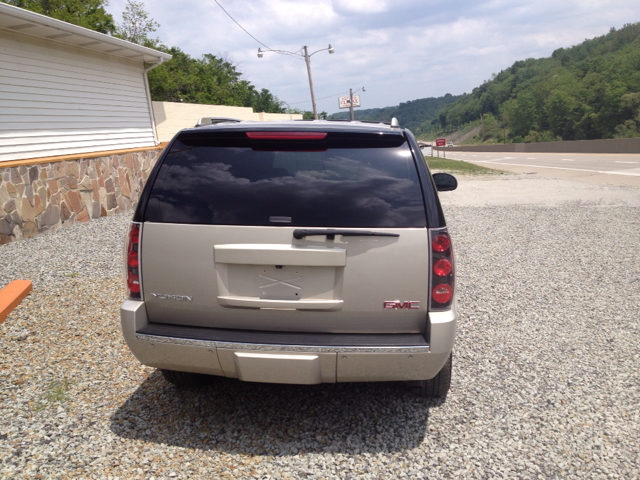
x: 343, y: 181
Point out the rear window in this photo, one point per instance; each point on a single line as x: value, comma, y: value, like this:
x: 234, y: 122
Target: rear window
x: 345, y: 180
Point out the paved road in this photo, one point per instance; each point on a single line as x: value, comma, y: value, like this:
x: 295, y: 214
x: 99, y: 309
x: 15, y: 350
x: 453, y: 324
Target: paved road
x: 593, y: 168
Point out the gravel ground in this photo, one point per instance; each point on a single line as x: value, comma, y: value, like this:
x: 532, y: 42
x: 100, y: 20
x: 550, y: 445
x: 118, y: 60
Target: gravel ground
x: 546, y: 369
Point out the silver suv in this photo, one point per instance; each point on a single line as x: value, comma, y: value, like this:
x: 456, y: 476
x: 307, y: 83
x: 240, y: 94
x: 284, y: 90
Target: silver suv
x: 297, y: 252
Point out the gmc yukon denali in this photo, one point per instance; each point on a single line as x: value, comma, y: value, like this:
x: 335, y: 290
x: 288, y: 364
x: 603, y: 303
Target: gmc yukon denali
x: 298, y: 252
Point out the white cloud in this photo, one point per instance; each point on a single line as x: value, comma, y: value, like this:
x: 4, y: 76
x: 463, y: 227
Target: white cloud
x: 361, y: 6
x: 401, y: 50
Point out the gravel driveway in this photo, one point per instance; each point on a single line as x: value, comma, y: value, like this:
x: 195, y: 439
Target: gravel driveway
x: 546, y: 365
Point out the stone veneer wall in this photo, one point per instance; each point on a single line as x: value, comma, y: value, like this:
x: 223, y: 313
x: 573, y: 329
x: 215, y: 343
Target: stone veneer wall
x: 41, y: 197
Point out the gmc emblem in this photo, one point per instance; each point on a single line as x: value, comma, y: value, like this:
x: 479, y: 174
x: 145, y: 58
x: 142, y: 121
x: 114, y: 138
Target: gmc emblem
x: 397, y: 305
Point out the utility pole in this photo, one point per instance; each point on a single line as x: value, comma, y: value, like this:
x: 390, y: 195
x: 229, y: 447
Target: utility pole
x: 307, y: 59
x: 351, y: 103
x: 313, y: 97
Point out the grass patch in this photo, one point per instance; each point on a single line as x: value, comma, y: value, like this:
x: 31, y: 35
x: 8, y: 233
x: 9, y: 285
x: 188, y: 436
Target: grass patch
x: 56, y: 393
x: 459, y: 166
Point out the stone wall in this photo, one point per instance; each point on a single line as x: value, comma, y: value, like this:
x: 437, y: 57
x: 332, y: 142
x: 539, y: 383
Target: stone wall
x: 41, y: 197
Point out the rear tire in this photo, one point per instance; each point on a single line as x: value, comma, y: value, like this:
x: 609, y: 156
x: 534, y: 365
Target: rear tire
x: 186, y: 379
x: 438, y: 386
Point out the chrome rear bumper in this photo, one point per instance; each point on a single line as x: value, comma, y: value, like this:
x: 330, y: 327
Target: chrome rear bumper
x: 290, y: 362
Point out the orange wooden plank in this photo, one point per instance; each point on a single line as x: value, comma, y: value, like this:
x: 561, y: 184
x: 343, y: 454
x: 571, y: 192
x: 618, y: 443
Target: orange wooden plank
x: 12, y: 295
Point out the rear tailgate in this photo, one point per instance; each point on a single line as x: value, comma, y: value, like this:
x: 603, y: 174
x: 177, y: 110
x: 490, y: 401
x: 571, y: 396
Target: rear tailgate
x: 217, y: 276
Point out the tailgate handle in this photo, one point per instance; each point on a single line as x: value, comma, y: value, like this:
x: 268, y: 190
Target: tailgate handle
x: 299, y: 233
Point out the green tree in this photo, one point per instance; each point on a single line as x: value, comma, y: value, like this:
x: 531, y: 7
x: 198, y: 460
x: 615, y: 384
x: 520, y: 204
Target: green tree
x: 308, y: 115
x: 561, y: 114
x: 209, y: 80
x: 630, y: 103
x: 610, y: 114
x: 85, y: 13
x: 507, y: 112
x: 524, y: 115
x: 265, y: 101
x: 136, y: 25
x: 628, y: 129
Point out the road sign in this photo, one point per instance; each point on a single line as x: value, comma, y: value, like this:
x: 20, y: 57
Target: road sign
x: 441, y: 142
x: 344, y: 101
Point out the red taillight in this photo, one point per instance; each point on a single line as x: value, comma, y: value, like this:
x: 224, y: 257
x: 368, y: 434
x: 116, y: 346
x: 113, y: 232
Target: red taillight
x: 441, y: 243
x: 134, y: 233
x: 287, y: 135
x: 442, y: 293
x: 133, y: 283
x: 442, y: 267
x: 443, y: 271
x: 133, y: 261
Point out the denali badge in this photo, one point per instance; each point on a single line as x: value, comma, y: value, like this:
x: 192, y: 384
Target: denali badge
x: 164, y: 296
x: 398, y: 305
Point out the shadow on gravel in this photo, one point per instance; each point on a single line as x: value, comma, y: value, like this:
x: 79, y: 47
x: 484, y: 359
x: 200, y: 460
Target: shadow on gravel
x: 265, y: 419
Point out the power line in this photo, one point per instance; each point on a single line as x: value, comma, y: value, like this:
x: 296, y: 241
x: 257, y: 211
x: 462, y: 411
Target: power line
x: 295, y: 55
x: 245, y: 31
x: 323, y: 98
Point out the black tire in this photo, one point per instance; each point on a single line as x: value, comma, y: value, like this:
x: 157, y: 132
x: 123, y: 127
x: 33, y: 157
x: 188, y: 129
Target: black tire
x: 438, y: 386
x: 186, y: 379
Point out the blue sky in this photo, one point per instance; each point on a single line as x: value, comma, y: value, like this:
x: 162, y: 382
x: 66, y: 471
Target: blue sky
x: 400, y: 50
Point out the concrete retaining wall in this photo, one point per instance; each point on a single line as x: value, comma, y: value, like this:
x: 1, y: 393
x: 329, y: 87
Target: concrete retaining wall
x: 41, y: 197
x: 171, y: 117
x: 616, y: 145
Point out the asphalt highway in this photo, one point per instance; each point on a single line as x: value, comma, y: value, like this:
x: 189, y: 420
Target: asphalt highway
x: 620, y: 168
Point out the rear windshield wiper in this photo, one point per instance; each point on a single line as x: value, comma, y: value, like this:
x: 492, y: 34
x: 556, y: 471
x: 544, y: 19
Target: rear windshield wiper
x: 331, y: 233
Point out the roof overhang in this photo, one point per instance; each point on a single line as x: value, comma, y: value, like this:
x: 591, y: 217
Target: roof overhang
x: 30, y: 23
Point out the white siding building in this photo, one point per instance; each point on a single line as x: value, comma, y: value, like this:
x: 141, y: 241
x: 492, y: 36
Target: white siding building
x: 67, y: 90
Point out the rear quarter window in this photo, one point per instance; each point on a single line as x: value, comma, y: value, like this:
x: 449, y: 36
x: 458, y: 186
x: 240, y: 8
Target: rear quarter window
x: 342, y: 181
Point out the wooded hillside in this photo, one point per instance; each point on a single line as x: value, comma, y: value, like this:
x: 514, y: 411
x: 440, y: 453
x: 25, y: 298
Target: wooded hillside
x: 412, y: 115
x: 588, y: 91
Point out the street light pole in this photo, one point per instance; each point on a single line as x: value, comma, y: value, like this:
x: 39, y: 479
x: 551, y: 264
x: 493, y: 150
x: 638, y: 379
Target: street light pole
x: 307, y: 59
x: 313, y: 97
